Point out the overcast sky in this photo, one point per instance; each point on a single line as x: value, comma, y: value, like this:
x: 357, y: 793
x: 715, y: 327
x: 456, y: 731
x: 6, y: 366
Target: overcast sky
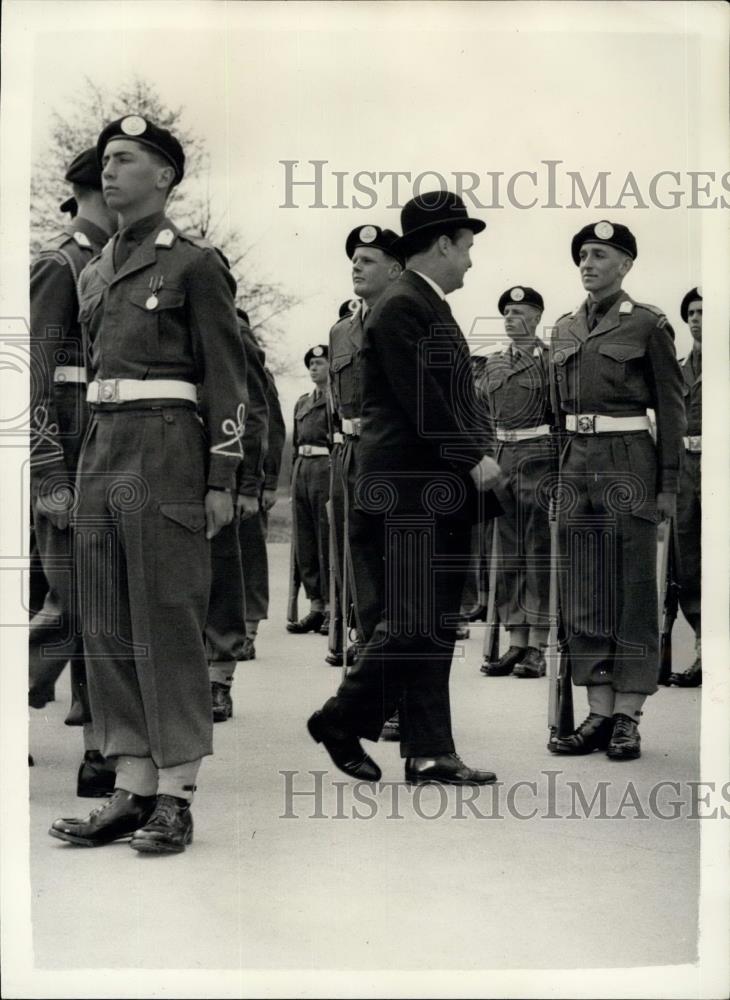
x: 414, y: 88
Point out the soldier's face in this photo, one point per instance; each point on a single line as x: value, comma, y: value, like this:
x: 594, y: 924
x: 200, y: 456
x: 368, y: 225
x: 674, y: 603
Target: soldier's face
x: 318, y: 370
x: 520, y: 320
x: 694, y: 318
x: 602, y: 268
x: 372, y: 272
x: 130, y: 175
x: 458, y: 254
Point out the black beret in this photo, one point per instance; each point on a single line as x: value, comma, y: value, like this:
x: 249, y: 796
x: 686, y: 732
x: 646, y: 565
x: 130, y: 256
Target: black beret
x: 611, y: 233
x: 373, y: 236
x: 520, y: 295
x: 349, y: 307
x: 138, y: 129
x: 694, y: 295
x: 84, y: 170
x: 319, y: 351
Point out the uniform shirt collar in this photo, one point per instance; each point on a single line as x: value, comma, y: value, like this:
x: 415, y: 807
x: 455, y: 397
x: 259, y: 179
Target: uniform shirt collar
x: 515, y: 350
x: 140, y: 229
x: 602, y: 307
x: 429, y: 281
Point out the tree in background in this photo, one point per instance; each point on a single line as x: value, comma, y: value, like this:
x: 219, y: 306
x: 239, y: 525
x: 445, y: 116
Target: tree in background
x: 191, y: 206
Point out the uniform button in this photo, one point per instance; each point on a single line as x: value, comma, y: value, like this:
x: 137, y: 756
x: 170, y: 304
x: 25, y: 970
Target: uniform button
x: 169, y: 419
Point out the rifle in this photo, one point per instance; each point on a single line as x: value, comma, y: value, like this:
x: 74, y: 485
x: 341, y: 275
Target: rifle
x: 292, y: 607
x: 491, y: 632
x: 335, y: 609
x: 668, y: 597
x: 561, y: 721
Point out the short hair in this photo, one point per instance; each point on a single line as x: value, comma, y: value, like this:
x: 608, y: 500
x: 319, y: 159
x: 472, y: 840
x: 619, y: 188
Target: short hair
x: 161, y: 161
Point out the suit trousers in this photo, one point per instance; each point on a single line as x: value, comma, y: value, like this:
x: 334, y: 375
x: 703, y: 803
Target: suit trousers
x: 689, y: 534
x: 414, y: 569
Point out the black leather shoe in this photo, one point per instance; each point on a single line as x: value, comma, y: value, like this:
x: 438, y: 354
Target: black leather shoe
x: 118, y: 817
x: 31, y: 762
x: 248, y: 652
x: 335, y: 659
x: 479, y: 614
x: 324, y: 628
x: 40, y: 696
x: 446, y: 769
x: 222, y: 701
x: 345, y: 750
x: 625, y: 742
x: 505, y: 664
x: 691, y: 678
x: 310, y: 623
x: 168, y: 830
x: 592, y: 734
x: 532, y: 665
x: 96, y: 776
x: 462, y: 632
x: 391, y: 729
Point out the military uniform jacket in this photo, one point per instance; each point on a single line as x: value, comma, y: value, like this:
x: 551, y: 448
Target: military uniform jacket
x: 515, y: 385
x: 311, y: 421
x: 344, y: 353
x: 169, y: 313
x: 55, y: 340
x: 256, y: 432
x: 622, y: 367
x: 420, y: 415
x: 277, y: 435
x: 692, y: 395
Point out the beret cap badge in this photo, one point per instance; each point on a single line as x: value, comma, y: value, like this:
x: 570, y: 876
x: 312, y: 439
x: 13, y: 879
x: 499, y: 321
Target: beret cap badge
x: 603, y: 230
x: 133, y: 125
x: 368, y: 234
x: 517, y: 294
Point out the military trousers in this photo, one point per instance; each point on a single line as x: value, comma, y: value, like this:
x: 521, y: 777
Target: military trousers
x: 225, y: 628
x: 144, y: 581
x: 607, y: 520
x: 523, y: 580
x: 252, y: 539
x: 413, y: 569
x: 310, y: 493
x: 689, y: 534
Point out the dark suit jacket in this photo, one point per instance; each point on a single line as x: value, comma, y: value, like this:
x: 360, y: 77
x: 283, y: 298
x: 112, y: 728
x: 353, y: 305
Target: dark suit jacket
x: 422, y: 426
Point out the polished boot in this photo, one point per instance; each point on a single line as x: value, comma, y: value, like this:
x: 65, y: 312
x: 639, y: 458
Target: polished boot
x: 479, y: 614
x: 691, y: 678
x: 222, y: 701
x: 118, y: 817
x: 625, y: 742
x: 96, y: 776
x: 532, y: 665
x: 505, y: 664
x: 390, y: 732
x: 168, y: 830
x: 344, y: 749
x: 335, y: 658
x: 592, y: 734
x: 248, y: 650
x: 310, y: 623
x: 446, y: 769
x: 461, y: 632
x: 324, y: 628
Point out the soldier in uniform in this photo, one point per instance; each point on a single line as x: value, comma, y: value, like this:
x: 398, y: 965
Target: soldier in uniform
x: 375, y: 265
x: 156, y: 479
x: 225, y: 630
x: 310, y: 493
x: 516, y: 390
x: 613, y: 358
x: 423, y: 471
x: 689, y: 501
x: 59, y: 417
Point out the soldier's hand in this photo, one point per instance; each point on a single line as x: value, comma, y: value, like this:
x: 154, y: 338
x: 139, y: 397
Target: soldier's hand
x: 218, y: 511
x: 56, y: 507
x: 246, y: 506
x: 666, y: 505
x: 268, y: 499
x: 486, y: 475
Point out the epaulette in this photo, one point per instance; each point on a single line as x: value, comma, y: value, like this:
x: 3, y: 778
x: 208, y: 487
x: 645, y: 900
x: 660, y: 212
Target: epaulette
x: 56, y: 242
x: 649, y: 308
x: 197, y: 241
x: 565, y: 316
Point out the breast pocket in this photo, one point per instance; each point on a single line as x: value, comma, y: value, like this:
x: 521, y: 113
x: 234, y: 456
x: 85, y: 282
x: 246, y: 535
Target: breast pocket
x: 564, y: 359
x: 618, y: 361
x: 158, y: 315
x: 346, y: 379
x: 88, y: 305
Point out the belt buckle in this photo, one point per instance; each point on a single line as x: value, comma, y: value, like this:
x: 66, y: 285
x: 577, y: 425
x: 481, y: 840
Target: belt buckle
x: 306, y: 449
x: 109, y: 390
x: 695, y: 442
x: 587, y: 423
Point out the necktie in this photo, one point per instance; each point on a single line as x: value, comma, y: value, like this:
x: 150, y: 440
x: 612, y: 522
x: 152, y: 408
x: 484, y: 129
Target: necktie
x: 123, y: 246
x: 591, y: 315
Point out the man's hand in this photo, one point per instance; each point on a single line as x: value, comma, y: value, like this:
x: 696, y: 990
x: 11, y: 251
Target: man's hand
x: 486, y: 475
x: 268, y: 499
x: 56, y: 507
x: 246, y: 506
x: 218, y: 511
x: 666, y: 505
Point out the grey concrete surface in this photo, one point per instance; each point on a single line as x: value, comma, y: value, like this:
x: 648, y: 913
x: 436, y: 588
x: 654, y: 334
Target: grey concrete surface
x: 474, y: 887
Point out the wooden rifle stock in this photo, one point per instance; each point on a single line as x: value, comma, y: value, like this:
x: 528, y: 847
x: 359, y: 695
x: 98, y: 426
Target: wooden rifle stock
x: 491, y: 632
x: 561, y: 719
x: 668, y: 597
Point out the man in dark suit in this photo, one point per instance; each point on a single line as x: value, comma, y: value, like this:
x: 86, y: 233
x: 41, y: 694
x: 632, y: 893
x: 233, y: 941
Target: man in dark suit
x: 424, y: 476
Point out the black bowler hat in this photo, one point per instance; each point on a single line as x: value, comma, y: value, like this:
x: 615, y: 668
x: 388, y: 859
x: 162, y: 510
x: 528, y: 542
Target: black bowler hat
x: 520, y: 295
x: 373, y: 236
x: 349, y: 307
x: 138, y: 129
x: 611, y: 233
x: 319, y: 351
x: 83, y: 170
x: 694, y: 295
x: 436, y: 210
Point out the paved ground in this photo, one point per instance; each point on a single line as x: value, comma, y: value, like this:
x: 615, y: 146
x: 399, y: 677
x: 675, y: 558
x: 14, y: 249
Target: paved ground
x: 428, y: 881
